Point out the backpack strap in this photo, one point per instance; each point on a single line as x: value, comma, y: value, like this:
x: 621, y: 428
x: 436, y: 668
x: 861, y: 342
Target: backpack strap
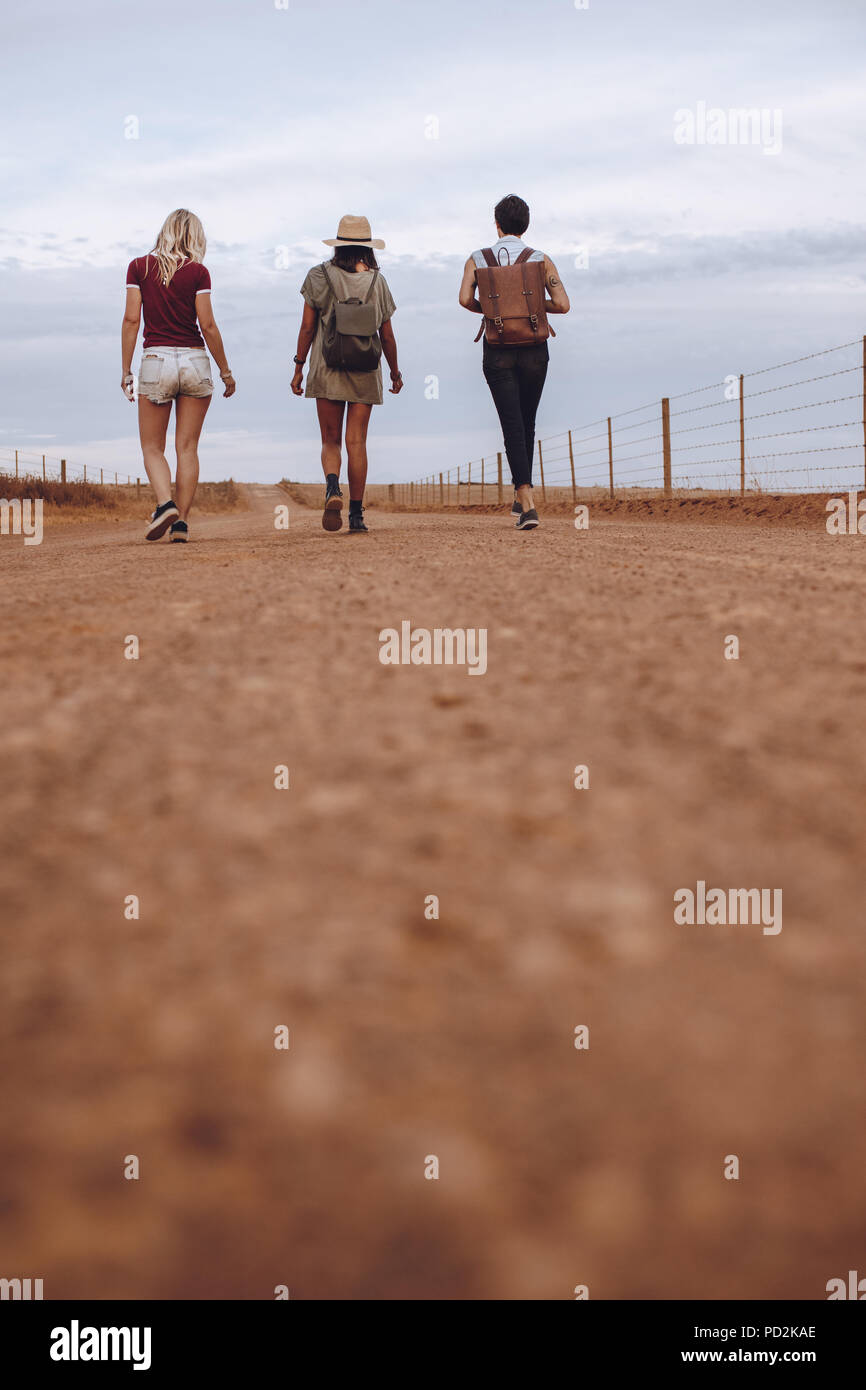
x: 521, y: 261
x: 489, y: 257
x: 372, y: 283
x: 524, y: 255
x: 328, y: 280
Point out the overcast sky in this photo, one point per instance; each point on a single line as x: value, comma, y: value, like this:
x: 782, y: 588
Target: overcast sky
x: 693, y: 260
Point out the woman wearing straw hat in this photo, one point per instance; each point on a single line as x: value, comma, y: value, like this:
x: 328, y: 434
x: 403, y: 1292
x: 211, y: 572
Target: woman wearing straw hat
x: 347, y: 324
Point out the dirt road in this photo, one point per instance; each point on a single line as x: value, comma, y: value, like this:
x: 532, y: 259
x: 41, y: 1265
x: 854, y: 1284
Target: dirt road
x: 413, y: 1037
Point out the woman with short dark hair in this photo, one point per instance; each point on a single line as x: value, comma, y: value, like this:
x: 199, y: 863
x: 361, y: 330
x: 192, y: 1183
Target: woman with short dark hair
x: 345, y: 377
x: 515, y: 373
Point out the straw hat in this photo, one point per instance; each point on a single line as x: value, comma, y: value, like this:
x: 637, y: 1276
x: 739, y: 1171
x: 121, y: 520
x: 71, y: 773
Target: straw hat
x: 354, y: 231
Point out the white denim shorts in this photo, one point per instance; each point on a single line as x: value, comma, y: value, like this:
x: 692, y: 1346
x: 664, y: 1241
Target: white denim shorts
x: 167, y: 372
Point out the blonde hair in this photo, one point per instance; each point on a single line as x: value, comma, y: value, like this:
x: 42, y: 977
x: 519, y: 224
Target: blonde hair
x: 181, y: 238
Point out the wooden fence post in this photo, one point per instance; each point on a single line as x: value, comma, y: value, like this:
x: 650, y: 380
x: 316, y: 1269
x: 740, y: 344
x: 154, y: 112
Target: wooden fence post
x: 16, y: 463
x: 666, y: 443
x: 458, y: 484
x: 138, y: 487
x: 571, y: 461
x: 541, y: 470
x: 440, y: 490
x: 469, y: 485
x: 610, y: 453
x: 742, y: 442
x: 85, y: 472
x: 499, y: 471
x: 44, y: 475
x: 63, y: 470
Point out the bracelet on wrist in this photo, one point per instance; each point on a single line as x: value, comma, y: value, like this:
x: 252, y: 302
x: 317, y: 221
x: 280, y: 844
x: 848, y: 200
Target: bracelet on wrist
x: 299, y: 361
x: 226, y: 373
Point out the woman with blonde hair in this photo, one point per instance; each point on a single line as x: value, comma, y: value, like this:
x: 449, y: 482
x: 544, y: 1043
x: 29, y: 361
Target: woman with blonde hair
x: 171, y: 284
x: 346, y: 328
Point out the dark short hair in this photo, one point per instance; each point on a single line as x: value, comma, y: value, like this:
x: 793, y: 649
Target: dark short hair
x: 347, y: 257
x: 512, y: 215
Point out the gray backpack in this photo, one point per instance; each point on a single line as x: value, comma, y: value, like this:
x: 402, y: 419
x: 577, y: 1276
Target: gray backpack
x: 350, y: 334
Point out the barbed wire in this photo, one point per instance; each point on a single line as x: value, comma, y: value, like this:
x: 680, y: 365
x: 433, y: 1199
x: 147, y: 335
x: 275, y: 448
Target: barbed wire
x: 584, y: 451
x: 53, y: 464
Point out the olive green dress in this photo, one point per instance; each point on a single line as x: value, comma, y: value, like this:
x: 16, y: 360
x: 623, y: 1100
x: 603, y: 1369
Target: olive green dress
x: 330, y: 383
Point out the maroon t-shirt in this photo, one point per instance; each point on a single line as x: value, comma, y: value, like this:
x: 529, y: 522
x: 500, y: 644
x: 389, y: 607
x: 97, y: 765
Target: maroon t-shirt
x: 169, y: 310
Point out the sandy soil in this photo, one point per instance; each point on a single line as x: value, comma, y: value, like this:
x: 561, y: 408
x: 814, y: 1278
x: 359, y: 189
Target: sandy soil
x: 414, y: 1037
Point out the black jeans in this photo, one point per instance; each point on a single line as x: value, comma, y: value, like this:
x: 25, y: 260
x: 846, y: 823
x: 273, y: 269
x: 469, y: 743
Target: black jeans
x: 515, y: 376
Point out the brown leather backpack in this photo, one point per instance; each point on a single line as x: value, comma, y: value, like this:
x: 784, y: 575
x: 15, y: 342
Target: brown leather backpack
x: 512, y: 297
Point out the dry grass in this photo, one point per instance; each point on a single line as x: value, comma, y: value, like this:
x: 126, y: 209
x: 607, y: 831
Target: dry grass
x: 77, y: 501
x: 56, y: 494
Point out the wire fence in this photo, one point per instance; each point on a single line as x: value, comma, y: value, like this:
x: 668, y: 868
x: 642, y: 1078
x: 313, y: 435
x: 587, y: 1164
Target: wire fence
x: 17, y: 463
x: 742, y: 434
x: 739, y: 435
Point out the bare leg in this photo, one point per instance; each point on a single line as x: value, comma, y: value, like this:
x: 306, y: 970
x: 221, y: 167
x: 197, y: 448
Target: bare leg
x: 152, y: 426
x: 357, y: 422
x: 330, y: 415
x: 189, y: 418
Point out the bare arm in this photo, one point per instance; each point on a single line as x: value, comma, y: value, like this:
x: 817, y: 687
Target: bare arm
x: 128, y: 337
x: 558, y: 303
x: 213, y: 338
x: 389, y: 348
x: 468, y: 297
x: 306, y: 334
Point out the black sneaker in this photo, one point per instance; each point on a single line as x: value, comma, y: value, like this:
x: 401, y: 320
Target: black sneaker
x: 356, y: 522
x: 332, y: 516
x: 516, y: 508
x: 527, y: 520
x: 160, y: 521
x: 179, y: 532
